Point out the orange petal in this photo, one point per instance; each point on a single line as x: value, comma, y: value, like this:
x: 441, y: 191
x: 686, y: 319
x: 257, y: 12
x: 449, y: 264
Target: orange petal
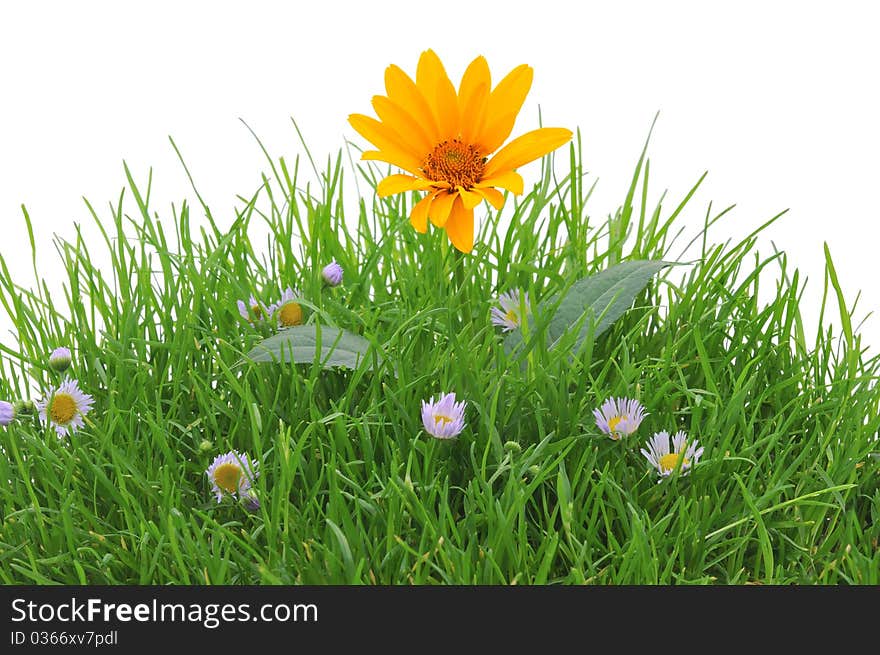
x: 436, y: 87
x: 528, y: 147
x: 384, y: 138
x: 401, y: 122
x: 494, y: 196
x: 418, y: 217
x: 400, y: 183
x: 460, y: 226
x: 470, y: 199
x: 504, y: 105
x: 473, y: 98
x: 473, y: 115
x: 398, y: 159
x: 510, y: 180
x: 441, y: 206
x: 404, y: 92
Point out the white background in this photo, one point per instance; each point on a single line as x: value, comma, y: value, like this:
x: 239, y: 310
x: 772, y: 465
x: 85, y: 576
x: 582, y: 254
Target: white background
x: 777, y: 100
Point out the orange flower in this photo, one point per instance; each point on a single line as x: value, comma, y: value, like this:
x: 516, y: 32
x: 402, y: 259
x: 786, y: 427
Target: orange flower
x: 443, y: 138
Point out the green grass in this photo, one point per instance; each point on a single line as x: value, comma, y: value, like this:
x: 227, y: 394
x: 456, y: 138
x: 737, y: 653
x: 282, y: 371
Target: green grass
x: 352, y: 488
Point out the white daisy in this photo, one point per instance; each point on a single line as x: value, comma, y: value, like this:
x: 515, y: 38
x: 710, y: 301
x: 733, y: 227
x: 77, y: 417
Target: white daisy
x: 684, y: 454
x: 288, y: 310
x: 232, y: 473
x: 510, y: 315
x: 443, y: 418
x: 65, y: 407
x: 619, y: 416
x: 253, y: 310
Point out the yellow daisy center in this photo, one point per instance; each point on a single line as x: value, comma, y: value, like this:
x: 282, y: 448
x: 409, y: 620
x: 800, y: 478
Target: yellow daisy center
x: 227, y: 476
x: 669, y: 462
x: 442, y: 418
x: 257, y: 311
x: 615, y: 421
x: 454, y: 162
x: 62, y: 409
x: 511, y: 316
x: 290, y: 314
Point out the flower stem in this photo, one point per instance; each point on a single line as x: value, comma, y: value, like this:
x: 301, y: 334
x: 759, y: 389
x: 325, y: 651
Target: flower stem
x: 464, y: 305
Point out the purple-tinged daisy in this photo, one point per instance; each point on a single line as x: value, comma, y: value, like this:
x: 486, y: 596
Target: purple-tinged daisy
x: 7, y: 413
x: 619, y: 416
x: 288, y: 310
x: 332, y: 274
x: 664, y: 460
x: 443, y: 419
x: 232, y: 474
x: 253, y: 310
x: 510, y: 315
x: 65, y: 408
x: 60, y: 359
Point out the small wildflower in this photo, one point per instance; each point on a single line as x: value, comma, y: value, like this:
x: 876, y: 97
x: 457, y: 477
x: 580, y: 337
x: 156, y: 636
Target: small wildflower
x: 59, y: 360
x: 664, y: 460
x: 619, y: 416
x: 444, y: 418
x: 289, y: 311
x: 66, y: 407
x: 332, y: 274
x: 253, y: 310
x: 7, y: 413
x: 232, y: 474
x: 510, y: 315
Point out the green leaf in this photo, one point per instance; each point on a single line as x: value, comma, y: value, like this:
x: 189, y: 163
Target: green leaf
x: 304, y: 344
x: 594, y: 302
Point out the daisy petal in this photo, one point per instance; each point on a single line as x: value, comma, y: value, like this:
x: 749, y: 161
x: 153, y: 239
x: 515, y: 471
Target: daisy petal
x: 436, y: 87
x: 470, y: 198
x: 440, y: 208
x: 473, y: 99
x: 510, y: 180
x: 384, y: 138
x: 493, y: 196
x: 401, y: 122
x: 504, y: 104
x: 528, y: 147
x: 403, y: 91
x: 400, y: 183
x: 393, y: 157
x: 418, y: 218
x: 460, y: 226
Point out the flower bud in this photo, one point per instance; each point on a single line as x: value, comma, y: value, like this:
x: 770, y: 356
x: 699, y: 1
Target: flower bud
x: 24, y: 407
x: 332, y: 274
x: 59, y: 360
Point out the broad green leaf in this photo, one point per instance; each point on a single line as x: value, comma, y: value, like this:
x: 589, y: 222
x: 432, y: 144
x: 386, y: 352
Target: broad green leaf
x: 594, y: 302
x: 302, y: 344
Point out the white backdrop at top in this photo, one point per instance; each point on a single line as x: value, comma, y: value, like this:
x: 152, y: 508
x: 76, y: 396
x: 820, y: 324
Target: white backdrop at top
x: 777, y: 100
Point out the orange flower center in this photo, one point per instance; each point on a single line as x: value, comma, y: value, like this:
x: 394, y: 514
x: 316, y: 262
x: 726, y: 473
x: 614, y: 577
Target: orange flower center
x: 669, y: 462
x: 62, y: 409
x: 442, y: 418
x: 614, y: 422
x: 227, y: 476
x: 257, y: 311
x: 290, y: 314
x: 459, y: 164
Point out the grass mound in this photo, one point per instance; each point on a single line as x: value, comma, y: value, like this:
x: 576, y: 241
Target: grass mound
x: 351, y: 488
